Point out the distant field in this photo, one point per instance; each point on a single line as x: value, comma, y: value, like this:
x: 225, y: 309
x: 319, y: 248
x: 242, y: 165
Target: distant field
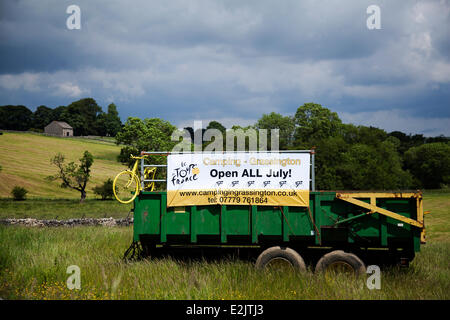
x: 25, y: 160
x: 437, y: 223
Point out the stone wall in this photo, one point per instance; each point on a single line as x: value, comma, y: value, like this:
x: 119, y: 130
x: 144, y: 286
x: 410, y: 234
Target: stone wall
x: 109, y: 222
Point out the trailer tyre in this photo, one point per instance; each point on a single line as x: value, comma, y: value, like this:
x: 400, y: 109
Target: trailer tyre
x: 339, y: 261
x: 276, y: 256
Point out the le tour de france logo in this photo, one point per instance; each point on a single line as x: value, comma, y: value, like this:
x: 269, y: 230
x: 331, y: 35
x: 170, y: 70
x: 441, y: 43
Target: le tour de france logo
x: 185, y: 172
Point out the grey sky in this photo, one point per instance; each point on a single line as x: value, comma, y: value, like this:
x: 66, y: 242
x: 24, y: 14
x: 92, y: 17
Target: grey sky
x: 232, y: 61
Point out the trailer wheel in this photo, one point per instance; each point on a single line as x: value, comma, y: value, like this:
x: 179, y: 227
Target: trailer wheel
x: 341, y: 262
x: 280, y: 258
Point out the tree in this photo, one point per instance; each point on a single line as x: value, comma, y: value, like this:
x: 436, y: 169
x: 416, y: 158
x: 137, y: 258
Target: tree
x: 15, y: 118
x: 216, y: 125
x: 148, y: 134
x: 242, y: 138
x: 58, y: 112
x: 314, y: 122
x: 113, y: 124
x: 409, y: 141
x: 105, y: 190
x: 200, y: 134
x: 330, y: 153
x: 349, y: 133
x: 368, y: 167
x: 72, y: 175
x: 42, y: 117
x: 190, y: 130
x: 82, y: 116
x: 144, y: 135
x: 440, y: 138
x: 108, y: 124
x: 370, y: 135
x: 19, y: 193
x: 430, y: 164
x: 286, y: 126
x: 100, y: 124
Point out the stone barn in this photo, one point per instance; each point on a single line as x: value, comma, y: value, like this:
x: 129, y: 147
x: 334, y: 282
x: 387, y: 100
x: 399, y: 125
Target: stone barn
x: 59, y: 128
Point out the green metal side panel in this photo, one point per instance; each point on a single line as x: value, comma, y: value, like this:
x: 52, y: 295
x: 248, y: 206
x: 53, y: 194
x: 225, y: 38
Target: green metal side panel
x: 193, y: 223
x: 177, y: 223
x: 299, y: 224
x: 383, y: 231
x: 405, y: 208
x: 268, y: 221
x: 254, y: 231
x: 237, y: 221
x: 164, y: 218
x: 207, y: 220
x: 223, y: 223
x: 254, y: 224
x: 322, y: 212
x: 147, y: 220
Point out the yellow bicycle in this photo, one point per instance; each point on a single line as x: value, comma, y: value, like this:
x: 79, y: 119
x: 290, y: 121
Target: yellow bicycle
x: 127, y: 184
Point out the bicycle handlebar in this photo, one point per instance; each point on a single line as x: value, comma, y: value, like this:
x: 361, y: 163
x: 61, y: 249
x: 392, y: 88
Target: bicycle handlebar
x: 138, y: 157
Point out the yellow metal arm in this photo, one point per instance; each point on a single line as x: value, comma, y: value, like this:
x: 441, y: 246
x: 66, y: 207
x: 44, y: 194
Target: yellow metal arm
x: 373, y: 208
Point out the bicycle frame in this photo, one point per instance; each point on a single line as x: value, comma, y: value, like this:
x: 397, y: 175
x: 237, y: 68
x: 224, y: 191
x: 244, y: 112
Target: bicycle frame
x: 145, y: 172
x: 144, y: 178
x: 135, y: 166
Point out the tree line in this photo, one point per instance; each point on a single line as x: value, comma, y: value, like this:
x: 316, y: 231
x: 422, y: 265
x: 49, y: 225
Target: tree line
x: 349, y: 157
x: 85, y: 116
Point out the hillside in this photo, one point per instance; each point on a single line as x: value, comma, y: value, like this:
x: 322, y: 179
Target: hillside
x: 25, y: 161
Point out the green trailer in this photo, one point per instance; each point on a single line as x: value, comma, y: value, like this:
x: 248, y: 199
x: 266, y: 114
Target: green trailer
x: 337, y: 229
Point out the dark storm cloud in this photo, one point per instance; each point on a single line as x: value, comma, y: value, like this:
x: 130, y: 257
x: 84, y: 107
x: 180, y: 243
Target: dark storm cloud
x: 229, y: 60
x: 36, y: 39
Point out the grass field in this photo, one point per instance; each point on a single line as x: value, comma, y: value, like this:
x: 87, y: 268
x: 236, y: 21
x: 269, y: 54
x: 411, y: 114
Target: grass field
x: 25, y: 160
x: 33, y: 264
x: 33, y: 261
x: 438, y: 222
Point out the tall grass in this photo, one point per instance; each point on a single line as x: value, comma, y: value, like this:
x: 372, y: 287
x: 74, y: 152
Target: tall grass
x: 33, y: 263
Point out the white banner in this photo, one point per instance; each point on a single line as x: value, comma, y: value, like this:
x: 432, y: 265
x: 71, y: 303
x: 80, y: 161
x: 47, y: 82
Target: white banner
x: 238, y: 178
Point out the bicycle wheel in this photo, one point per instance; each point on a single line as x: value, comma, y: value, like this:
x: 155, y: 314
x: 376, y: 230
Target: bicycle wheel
x: 126, y: 186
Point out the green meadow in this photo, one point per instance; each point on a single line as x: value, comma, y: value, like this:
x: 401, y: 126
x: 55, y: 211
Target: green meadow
x: 34, y: 260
